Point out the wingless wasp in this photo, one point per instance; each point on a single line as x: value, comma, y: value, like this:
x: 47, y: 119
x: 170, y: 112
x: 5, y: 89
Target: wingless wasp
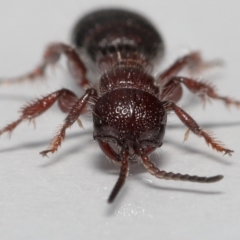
x: 129, y: 105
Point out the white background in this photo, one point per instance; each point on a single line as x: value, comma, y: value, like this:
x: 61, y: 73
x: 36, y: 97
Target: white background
x: 65, y: 196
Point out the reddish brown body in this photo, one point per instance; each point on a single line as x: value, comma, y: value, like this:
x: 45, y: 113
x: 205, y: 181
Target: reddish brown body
x: 130, y: 106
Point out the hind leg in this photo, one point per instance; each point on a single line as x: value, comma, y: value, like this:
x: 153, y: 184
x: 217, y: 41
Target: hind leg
x: 51, y: 56
x: 192, y: 62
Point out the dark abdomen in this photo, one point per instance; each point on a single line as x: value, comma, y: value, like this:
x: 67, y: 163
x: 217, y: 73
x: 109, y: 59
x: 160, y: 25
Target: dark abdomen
x: 114, y: 30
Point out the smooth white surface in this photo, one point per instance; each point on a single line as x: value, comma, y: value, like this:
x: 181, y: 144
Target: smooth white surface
x: 64, y: 197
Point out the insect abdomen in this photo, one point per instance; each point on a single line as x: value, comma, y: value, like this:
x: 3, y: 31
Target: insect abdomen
x: 113, y: 30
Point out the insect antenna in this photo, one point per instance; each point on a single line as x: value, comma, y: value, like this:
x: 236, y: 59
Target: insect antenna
x: 122, y: 176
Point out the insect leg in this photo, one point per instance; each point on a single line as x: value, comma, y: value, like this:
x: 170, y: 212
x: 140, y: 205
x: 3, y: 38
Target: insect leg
x: 203, y: 90
x: 76, y: 110
x: 152, y: 169
x: 50, y: 58
x: 65, y: 98
x: 195, y: 128
x: 193, y: 62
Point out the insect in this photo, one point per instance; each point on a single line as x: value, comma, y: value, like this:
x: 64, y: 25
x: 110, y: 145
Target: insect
x: 129, y: 106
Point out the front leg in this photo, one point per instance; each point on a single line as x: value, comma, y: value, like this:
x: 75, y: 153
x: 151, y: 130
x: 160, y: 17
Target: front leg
x: 73, y: 115
x: 195, y: 128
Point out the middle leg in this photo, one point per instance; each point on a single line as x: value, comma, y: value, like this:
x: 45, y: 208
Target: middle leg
x: 204, y: 90
x: 65, y: 98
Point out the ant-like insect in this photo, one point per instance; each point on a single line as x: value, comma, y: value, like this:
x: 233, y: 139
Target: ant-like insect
x: 130, y: 106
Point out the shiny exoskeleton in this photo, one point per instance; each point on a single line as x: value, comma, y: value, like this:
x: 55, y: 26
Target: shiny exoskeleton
x: 130, y: 105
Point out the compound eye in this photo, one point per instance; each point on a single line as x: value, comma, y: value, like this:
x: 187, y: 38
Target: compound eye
x: 106, y: 134
x: 150, y: 143
x: 153, y: 137
x: 107, y: 138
